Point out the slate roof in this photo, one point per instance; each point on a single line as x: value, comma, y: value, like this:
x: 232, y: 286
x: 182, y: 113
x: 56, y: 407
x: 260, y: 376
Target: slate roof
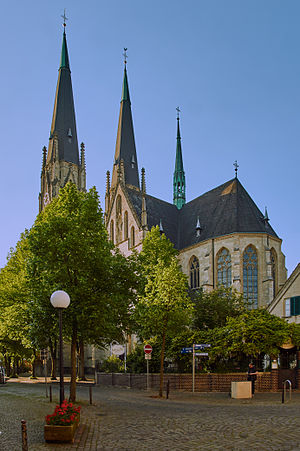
x: 63, y: 120
x: 223, y: 210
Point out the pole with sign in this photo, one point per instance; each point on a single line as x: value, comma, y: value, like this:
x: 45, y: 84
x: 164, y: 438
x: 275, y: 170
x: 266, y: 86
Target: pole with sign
x: 148, y: 351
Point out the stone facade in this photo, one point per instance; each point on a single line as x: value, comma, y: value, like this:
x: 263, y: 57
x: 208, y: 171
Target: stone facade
x: 291, y: 289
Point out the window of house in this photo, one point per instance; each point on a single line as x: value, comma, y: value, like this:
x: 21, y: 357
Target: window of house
x: 250, y: 276
x: 194, y: 273
x: 224, y: 267
x: 292, y: 306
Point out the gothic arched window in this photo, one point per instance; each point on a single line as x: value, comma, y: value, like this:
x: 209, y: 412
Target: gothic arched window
x: 274, y: 270
x: 112, y: 234
x: 224, y: 267
x: 194, y: 273
x: 250, y: 276
x: 125, y: 225
x: 119, y: 205
x: 132, y: 237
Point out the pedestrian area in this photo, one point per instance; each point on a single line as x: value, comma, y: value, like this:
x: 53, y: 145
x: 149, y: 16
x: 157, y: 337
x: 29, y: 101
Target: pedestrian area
x: 127, y: 419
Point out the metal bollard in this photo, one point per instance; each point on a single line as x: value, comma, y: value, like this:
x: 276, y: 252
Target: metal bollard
x: 50, y: 392
x: 24, y: 436
x: 91, y: 397
x: 168, y: 389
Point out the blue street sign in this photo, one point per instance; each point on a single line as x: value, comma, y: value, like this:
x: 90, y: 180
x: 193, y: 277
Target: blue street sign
x: 186, y: 350
x: 202, y: 346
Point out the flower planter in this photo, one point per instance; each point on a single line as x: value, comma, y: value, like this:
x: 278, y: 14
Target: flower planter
x: 59, y: 433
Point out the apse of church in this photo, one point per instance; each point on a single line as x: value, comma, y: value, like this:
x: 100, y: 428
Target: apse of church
x: 222, y: 237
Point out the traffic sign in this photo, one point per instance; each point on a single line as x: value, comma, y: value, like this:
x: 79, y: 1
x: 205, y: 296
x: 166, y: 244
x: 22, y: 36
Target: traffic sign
x: 202, y: 346
x: 202, y: 354
x: 186, y: 350
x: 147, y: 349
x: 148, y: 356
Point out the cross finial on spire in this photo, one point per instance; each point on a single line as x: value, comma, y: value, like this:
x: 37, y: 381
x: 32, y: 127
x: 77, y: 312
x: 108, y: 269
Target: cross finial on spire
x: 178, y: 111
x: 236, y: 166
x: 125, y: 55
x: 65, y: 18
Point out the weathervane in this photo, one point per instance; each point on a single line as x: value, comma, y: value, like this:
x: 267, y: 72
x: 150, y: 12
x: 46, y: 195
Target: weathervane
x: 65, y: 18
x: 178, y: 111
x: 236, y: 166
x: 125, y: 55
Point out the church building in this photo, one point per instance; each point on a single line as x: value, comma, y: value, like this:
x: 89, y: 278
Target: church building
x: 222, y: 237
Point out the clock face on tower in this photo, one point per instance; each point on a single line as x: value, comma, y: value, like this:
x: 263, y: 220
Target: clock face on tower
x: 46, y: 199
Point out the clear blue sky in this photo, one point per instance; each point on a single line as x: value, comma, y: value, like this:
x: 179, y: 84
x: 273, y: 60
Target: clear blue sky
x: 232, y: 66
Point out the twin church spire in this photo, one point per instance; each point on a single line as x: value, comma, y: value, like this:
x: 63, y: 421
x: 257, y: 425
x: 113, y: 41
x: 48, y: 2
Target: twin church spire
x: 61, y: 162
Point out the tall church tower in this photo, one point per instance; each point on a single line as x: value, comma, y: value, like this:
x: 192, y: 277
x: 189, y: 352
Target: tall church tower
x: 125, y: 154
x: 179, y: 176
x: 61, y: 163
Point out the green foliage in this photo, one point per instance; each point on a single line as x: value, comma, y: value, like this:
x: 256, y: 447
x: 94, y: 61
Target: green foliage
x: 14, y: 311
x: 211, y: 309
x: 112, y: 365
x: 251, y: 333
x: 136, y: 362
x: 70, y: 250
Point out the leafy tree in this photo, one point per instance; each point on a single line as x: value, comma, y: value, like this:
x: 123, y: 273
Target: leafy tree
x: 251, y: 333
x: 165, y: 307
x: 14, y: 313
x: 211, y: 309
x: 70, y: 250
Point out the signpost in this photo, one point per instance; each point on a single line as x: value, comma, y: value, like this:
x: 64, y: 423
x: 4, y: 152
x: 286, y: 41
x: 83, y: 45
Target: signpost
x: 191, y: 350
x: 148, y: 351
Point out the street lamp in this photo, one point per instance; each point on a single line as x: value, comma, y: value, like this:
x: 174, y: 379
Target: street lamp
x: 60, y: 300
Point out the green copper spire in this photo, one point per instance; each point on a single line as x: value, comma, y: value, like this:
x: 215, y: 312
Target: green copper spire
x: 64, y: 60
x: 179, y: 176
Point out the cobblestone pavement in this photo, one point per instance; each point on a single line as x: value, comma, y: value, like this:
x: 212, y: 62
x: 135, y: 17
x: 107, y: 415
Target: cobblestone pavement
x: 123, y: 419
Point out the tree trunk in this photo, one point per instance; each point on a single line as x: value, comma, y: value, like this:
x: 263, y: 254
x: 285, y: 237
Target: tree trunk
x: 162, y: 358
x: 81, y: 361
x: 33, y: 376
x: 7, y: 361
x: 73, y: 365
x: 53, y: 349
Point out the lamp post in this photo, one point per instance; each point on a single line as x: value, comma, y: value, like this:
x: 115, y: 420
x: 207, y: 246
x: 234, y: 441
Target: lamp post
x: 60, y: 300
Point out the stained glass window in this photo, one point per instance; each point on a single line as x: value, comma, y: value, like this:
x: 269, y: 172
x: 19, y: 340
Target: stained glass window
x: 274, y: 270
x: 224, y: 267
x: 250, y: 276
x: 132, y: 237
x: 125, y: 225
x: 194, y: 273
x: 112, y: 237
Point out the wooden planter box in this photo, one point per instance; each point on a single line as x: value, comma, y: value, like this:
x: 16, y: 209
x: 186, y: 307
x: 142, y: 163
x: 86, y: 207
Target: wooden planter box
x: 59, y: 433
